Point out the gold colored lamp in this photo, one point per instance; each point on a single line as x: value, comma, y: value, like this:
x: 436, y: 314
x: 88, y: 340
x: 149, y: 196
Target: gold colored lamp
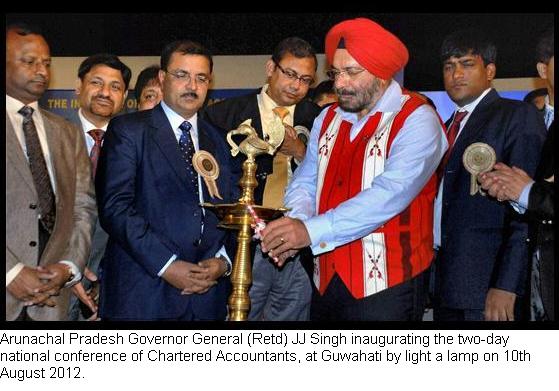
x: 237, y: 216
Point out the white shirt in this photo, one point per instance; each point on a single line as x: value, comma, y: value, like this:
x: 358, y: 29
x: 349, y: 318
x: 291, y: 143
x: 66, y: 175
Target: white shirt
x: 470, y: 107
x: 86, y: 127
x: 12, y: 107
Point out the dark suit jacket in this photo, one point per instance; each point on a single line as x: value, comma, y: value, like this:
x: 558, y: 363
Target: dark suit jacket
x: 541, y: 203
x: 483, y: 241
x: 230, y: 113
x: 151, y: 212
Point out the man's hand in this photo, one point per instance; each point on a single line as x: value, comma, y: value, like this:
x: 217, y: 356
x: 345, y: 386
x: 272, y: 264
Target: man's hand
x: 499, y: 305
x: 282, y: 238
x: 212, y: 269
x: 54, y: 276
x: 504, y: 183
x: 188, y: 277
x: 292, y: 145
x: 86, y: 298
x: 25, y: 285
x: 215, y: 267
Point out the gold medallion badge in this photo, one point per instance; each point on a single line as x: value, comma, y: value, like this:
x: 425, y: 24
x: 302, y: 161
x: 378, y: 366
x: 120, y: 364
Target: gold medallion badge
x: 478, y: 158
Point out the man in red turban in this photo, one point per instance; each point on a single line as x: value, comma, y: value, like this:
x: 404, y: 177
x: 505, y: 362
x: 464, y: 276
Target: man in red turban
x: 363, y: 197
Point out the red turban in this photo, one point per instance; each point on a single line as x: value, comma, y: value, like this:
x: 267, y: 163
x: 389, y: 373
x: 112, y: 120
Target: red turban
x: 374, y: 48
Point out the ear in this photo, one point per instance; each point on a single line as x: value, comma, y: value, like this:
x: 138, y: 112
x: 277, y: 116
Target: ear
x: 542, y: 69
x: 270, y: 67
x: 161, y: 77
x: 78, y: 88
x: 491, y: 71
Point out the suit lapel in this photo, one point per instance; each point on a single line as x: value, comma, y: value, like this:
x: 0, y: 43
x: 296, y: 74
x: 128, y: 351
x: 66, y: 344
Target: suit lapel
x: 474, y: 127
x: 54, y: 142
x: 165, y: 139
x: 14, y: 152
x: 252, y: 111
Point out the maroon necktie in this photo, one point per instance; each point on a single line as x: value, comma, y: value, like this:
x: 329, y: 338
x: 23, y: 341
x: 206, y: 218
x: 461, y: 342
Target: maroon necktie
x: 451, y: 133
x: 97, y: 136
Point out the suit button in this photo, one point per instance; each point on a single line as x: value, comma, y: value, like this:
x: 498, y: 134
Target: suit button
x: 32, y: 206
x: 195, y: 214
x: 197, y: 242
x: 32, y: 243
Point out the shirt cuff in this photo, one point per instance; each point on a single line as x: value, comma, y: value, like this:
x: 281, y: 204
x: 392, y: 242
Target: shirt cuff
x: 524, y: 196
x: 167, y: 265
x: 13, y: 272
x: 75, y: 272
x: 223, y: 254
x: 318, y: 228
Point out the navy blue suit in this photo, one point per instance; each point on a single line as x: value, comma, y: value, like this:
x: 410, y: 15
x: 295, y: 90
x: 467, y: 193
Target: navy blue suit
x: 483, y: 241
x: 151, y: 211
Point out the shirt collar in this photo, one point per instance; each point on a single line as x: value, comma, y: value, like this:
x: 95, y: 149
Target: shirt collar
x: 13, y: 105
x: 87, y: 125
x: 268, y: 104
x: 470, y: 107
x: 176, y: 119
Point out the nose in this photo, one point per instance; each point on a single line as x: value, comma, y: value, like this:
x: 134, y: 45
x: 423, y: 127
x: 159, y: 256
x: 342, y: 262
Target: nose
x: 42, y: 69
x: 458, y: 72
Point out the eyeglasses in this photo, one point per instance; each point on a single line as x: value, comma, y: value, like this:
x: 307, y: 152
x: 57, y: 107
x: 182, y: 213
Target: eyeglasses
x: 351, y: 72
x: 292, y: 75
x: 187, y: 77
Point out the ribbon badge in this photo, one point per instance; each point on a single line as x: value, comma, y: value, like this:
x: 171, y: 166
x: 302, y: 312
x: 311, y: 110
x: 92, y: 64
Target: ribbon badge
x: 205, y: 164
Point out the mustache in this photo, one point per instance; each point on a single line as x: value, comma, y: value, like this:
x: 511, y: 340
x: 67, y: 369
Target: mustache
x: 344, y: 91
x: 39, y: 78
x: 190, y: 94
x: 103, y: 97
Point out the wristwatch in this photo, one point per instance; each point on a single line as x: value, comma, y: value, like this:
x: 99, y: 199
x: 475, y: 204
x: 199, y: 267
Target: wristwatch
x: 228, y: 266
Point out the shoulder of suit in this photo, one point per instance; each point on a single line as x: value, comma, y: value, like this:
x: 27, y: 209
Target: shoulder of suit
x: 60, y: 121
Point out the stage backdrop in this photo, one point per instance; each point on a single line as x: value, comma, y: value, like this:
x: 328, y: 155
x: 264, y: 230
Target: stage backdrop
x: 233, y: 76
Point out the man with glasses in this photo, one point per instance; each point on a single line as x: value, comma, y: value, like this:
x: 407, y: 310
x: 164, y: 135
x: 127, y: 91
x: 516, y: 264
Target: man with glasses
x: 363, y: 196
x: 277, y: 293
x: 166, y: 259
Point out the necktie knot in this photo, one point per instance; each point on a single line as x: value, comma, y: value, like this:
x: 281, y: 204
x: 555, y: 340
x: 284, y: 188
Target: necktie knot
x: 458, y: 117
x: 97, y: 135
x: 281, y: 112
x: 185, y: 127
x: 26, y: 112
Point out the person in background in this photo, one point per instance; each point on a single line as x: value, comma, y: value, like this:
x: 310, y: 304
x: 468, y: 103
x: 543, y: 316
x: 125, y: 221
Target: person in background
x: 363, y: 196
x: 148, y: 88
x: 535, y: 197
x: 50, y: 202
x: 277, y: 293
x: 480, y: 268
x: 101, y: 89
x: 324, y: 93
x: 538, y: 98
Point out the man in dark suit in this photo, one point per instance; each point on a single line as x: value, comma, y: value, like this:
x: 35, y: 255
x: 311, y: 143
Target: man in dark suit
x: 481, y: 264
x: 277, y: 294
x: 165, y: 259
x: 535, y: 197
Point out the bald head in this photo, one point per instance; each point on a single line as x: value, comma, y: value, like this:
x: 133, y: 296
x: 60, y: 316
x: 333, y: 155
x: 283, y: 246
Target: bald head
x: 27, y: 64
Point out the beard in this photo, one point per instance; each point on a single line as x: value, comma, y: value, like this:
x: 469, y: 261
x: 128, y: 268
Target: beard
x: 355, y: 101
